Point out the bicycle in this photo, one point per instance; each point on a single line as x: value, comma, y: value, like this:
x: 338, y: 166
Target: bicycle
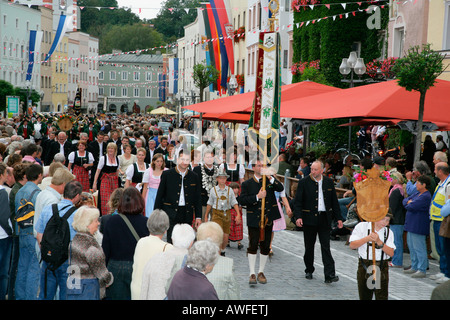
x: 346, y: 155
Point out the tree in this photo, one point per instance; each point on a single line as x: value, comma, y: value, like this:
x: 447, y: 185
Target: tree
x: 204, y: 75
x: 174, y: 15
x: 6, y: 89
x: 130, y: 38
x: 418, y: 71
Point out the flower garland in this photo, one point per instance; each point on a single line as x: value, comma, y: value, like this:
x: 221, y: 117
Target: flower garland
x: 67, y: 116
x: 208, y: 182
x: 361, y: 175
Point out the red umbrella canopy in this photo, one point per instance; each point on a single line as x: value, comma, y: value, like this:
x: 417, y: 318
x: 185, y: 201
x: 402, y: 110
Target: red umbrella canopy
x: 226, y: 117
x: 244, y: 102
x: 380, y: 100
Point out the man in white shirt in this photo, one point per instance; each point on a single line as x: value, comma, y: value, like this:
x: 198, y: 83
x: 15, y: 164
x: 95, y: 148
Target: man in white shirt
x: 361, y: 239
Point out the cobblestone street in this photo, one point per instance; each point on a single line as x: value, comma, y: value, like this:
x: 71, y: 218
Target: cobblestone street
x: 286, y: 277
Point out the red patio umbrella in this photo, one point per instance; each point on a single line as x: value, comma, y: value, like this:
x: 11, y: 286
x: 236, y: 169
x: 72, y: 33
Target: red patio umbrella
x: 244, y: 102
x: 226, y: 117
x: 380, y: 100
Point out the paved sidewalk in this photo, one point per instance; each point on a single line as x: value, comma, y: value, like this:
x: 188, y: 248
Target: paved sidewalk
x: 286, y: 277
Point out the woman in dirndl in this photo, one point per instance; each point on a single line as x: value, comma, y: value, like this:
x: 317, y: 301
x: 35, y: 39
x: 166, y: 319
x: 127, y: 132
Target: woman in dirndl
x: 107, y: 172
x: 151, y: 180
x: 135, y: 172
x: 126, y: 160
x: 79, y: 163
x: 236, y: 173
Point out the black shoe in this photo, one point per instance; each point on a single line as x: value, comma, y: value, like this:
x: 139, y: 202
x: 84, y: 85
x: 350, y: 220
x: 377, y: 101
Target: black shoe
x: 240, y: 246
x: 332, y: 279
x: 308, y: 275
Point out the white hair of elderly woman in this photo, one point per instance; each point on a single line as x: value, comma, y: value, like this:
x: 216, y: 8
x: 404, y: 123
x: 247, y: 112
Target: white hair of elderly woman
x: 83, y: 218
x: 202, y: 256
x: 183, y: 235
x: 158, y: 222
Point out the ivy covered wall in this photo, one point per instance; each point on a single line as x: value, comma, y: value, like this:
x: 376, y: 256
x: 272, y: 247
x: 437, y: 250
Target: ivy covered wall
x: 329, y: 40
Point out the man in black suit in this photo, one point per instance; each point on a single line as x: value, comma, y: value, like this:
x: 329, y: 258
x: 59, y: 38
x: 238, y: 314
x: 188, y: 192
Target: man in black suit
x: 162, y: 148
x: 46, y: 143
x: 207, y: 173
x: 98, y: 149
x: 315, y: 207
x: 251, y: 196
x: 61, y: 145
x: 179, y: 195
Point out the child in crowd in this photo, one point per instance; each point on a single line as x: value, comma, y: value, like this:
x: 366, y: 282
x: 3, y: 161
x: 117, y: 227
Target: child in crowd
x: 221, y: 200
x: 236, y: 230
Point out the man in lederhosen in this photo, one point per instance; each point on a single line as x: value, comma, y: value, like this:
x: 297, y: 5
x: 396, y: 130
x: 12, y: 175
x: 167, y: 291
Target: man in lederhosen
x: 251, y: 197
x: 178, y: 195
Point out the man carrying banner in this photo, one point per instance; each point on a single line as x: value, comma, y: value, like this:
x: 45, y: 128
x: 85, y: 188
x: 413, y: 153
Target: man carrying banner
x: 259, y: 199
x: 252, y: 196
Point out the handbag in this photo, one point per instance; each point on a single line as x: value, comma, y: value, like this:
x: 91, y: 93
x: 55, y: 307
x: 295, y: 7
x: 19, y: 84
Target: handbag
x: 279, y: 224
x: 444, y: 230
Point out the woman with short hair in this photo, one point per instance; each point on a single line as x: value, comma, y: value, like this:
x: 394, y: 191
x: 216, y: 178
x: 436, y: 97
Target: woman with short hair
x: 90, y: 276
x: 120, y: 236
x: 147, y: 247
x: 191, y: 283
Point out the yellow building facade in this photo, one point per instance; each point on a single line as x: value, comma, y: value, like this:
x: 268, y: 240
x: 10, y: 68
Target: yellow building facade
x: 439, y: 31
x: 60, y: 76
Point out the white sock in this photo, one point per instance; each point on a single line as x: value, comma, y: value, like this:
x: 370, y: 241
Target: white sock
x: 262, y: 262
x: 251, y: 262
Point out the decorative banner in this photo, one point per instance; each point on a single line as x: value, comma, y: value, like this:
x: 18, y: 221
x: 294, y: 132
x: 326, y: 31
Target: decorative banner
x: 214, y: 44
x: 162, y: 87
x: 34, y: 46
x: 173, y: 75
x: 77, y: 102
x: 264, y: 121
x: 223, y: 51
x: 63, y: 26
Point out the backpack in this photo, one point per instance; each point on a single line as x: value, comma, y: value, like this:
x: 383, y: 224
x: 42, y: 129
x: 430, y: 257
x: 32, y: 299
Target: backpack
x: 55, y: 241
x: 25, y: 212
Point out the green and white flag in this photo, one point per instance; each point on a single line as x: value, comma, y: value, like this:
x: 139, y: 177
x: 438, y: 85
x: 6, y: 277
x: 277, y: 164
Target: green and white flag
x: 264, y: 122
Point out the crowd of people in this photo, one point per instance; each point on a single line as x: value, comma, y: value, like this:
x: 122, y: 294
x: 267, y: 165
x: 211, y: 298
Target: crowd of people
x: 149, y: 215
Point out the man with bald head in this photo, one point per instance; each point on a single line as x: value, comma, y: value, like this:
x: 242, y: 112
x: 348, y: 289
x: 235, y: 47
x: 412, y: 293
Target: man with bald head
x: 315, y: 207
x: 61, y: 145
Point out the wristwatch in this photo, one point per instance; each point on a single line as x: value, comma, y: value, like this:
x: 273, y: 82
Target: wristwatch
x: 379, y: 247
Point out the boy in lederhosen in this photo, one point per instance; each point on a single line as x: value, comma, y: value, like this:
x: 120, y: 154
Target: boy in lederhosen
x: 221, y: 200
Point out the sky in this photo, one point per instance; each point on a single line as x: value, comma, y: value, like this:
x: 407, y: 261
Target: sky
x: 149, y: 8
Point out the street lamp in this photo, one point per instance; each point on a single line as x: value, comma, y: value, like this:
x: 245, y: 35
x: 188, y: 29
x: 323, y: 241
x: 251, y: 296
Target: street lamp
x: 352, y: 65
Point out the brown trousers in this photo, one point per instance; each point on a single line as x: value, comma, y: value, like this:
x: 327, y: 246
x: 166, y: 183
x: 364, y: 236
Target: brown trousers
x: 367, y: 290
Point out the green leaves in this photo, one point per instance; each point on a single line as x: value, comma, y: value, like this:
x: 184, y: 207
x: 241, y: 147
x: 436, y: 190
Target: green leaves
x: 419, y: 69
x: 130, y: 38
x: 203, y: 76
